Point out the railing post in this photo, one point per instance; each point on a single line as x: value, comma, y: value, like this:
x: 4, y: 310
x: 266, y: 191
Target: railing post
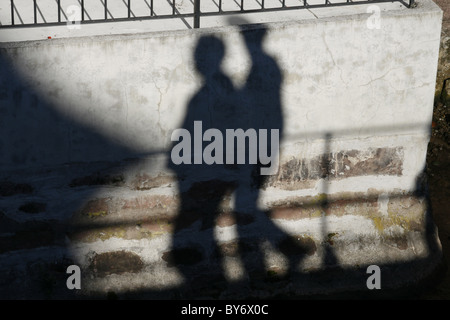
x: 12, y: 12
x: 196, y: 13
x: 35, y: 11
x: 59, y: 10
x: 82, y: 10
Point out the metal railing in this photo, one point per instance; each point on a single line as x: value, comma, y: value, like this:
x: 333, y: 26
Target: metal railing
x: 195, y: 14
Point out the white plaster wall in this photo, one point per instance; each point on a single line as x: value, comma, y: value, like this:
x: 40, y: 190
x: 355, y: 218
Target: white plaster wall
x: 367, y: 87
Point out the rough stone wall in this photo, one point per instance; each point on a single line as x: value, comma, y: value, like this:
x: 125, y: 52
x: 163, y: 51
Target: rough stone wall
x: 348, y: 192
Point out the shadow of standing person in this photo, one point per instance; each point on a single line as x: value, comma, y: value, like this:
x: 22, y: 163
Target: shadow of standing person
x: 202, y: 184
x: 261, y: 110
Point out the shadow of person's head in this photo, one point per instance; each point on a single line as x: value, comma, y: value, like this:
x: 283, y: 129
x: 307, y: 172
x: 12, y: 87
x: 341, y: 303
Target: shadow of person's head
x: 208, y: 55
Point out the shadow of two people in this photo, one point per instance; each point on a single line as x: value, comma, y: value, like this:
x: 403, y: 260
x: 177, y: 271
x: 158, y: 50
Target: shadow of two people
x: 206, y: 175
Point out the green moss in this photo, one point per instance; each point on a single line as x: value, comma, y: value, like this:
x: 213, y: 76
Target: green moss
x: 320, y: 198
x: 102, y: 234
x: 395, y: 218
x: 316, y: 214
x: 272, y: 273
x: 379, y: 224
x: 97, y: 214
x: 330, y: 237
x: 111, y: 233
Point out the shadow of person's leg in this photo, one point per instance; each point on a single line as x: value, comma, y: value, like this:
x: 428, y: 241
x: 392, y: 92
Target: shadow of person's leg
x: 250, y: 236
x: 195, y: 251
x: 263, y: 231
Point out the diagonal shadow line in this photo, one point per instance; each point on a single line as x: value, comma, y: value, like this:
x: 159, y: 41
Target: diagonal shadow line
x: 131, y: 11
x: 85, y: 10
x: 40, y: 12
x: 182, y: 19
x: 62, y: 11
x: 150, y: 7
x: 17, y: 12
x: 107, y: 10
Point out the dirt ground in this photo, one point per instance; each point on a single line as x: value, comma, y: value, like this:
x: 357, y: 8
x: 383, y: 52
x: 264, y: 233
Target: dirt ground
x: 438, y: 173
x: 438, y: 160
